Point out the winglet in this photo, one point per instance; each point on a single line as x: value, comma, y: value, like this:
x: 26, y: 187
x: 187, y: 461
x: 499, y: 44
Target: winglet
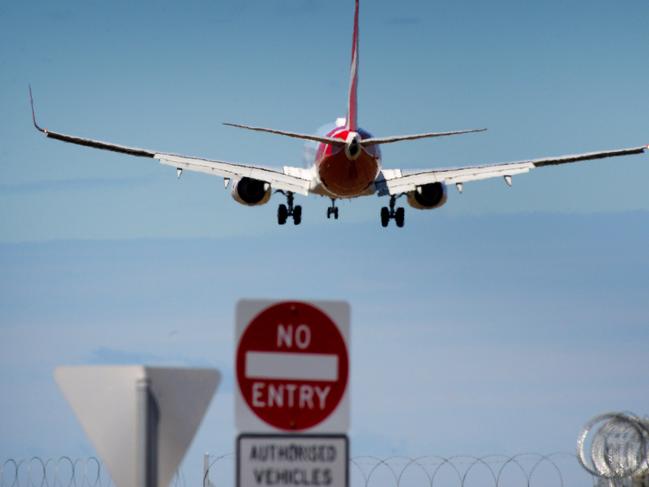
x: 31, y: 100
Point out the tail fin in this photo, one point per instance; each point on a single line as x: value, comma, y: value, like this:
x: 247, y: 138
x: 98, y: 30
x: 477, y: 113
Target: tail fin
x: 353, y: 82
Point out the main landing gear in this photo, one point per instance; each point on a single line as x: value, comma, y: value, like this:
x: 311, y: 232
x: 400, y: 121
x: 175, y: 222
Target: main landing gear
x: 332, y: 210
x: 389, y: 213
x: 288, y: 210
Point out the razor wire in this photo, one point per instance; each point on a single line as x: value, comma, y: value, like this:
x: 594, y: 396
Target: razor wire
x: 63, y: 471
x: 520, y: 470
x: 615, y: 447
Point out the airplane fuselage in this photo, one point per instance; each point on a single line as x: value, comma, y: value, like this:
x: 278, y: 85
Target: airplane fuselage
x: 346, y: 175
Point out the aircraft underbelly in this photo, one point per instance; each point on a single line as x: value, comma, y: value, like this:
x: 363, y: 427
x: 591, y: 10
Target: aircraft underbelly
x: 347, y: 178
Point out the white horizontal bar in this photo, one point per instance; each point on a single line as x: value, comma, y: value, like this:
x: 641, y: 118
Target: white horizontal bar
x: 296, y: 366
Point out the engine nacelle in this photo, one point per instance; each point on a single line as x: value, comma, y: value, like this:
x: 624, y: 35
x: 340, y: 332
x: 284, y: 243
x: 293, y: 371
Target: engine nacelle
x: 428, y: 196
x: 251, y: 192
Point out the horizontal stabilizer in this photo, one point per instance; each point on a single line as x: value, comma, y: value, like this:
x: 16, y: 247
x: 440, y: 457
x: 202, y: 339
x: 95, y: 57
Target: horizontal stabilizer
x: 399, y: 138
x: 316, y: 138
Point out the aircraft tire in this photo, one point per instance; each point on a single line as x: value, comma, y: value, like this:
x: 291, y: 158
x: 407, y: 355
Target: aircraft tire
x: 400, y: 217
x: 282, y: 214
x: 385, y: 216
x: 297, y: 215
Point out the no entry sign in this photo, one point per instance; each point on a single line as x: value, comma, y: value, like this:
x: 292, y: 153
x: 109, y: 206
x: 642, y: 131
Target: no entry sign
x: 292, y: 366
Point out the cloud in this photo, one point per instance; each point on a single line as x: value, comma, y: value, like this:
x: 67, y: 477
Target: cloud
x: 58, y: 14
x: 80, y: 184
x: 298, y: 7
x: 105, y: 355
x: 403, y: 20
x: 115, y: 356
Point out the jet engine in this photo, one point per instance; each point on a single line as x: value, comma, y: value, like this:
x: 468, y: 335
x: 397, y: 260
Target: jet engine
x: 428, y: 196
x: 251, y: 192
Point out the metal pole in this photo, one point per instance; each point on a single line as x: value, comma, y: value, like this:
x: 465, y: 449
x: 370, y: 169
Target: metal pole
x: 148, y: 415
x: 206, y: 469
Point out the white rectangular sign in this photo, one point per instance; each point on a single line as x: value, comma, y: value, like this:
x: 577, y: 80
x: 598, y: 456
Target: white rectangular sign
x: 292, y: 460
x: 305, y: 366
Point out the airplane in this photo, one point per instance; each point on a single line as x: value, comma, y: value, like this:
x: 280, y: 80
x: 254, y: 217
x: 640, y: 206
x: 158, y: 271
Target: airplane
x: 346, y: 164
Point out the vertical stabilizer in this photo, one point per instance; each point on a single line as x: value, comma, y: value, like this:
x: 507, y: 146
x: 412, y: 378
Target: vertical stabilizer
x: 353, y: 81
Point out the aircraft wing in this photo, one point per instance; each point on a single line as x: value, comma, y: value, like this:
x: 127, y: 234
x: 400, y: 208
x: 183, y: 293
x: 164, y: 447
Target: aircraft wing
x: 401, y: 182
x: 277, y: 178
x: 229, y: 170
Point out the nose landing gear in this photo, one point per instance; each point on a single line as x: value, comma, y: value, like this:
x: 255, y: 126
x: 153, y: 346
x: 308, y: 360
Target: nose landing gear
x: 332, y: 210
x: 398, y: 214
x: 284, y: 211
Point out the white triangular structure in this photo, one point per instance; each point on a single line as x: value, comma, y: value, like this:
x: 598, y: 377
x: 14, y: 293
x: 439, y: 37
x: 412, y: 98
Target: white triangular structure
x: 105, y: 400
x: 183, y: 396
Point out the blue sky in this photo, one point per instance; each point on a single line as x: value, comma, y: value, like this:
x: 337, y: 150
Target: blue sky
x: 510, y: 316
x: 546, y: 79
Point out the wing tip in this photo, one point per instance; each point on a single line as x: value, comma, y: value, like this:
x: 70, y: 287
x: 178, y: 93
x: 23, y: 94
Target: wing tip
x: 31, y: 102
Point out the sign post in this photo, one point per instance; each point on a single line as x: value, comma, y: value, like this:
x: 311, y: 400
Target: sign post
x: 292, y: 399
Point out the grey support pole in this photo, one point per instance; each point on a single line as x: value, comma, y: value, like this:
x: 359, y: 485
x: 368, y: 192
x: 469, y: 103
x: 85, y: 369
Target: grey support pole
x: 206, y: 469
x: 148, y: 416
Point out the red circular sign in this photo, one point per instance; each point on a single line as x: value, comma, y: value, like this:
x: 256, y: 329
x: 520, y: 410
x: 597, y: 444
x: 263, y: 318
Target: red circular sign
x: 292, y: 366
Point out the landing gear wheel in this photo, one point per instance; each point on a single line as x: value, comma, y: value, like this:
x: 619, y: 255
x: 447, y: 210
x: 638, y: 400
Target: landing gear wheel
x: 288, y: 210
x: 388, y: 213
x: 332, y: 210
x: 385, y: 216
x: 400, y: 216
x: 282, y: 214
x: 297, y: 215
